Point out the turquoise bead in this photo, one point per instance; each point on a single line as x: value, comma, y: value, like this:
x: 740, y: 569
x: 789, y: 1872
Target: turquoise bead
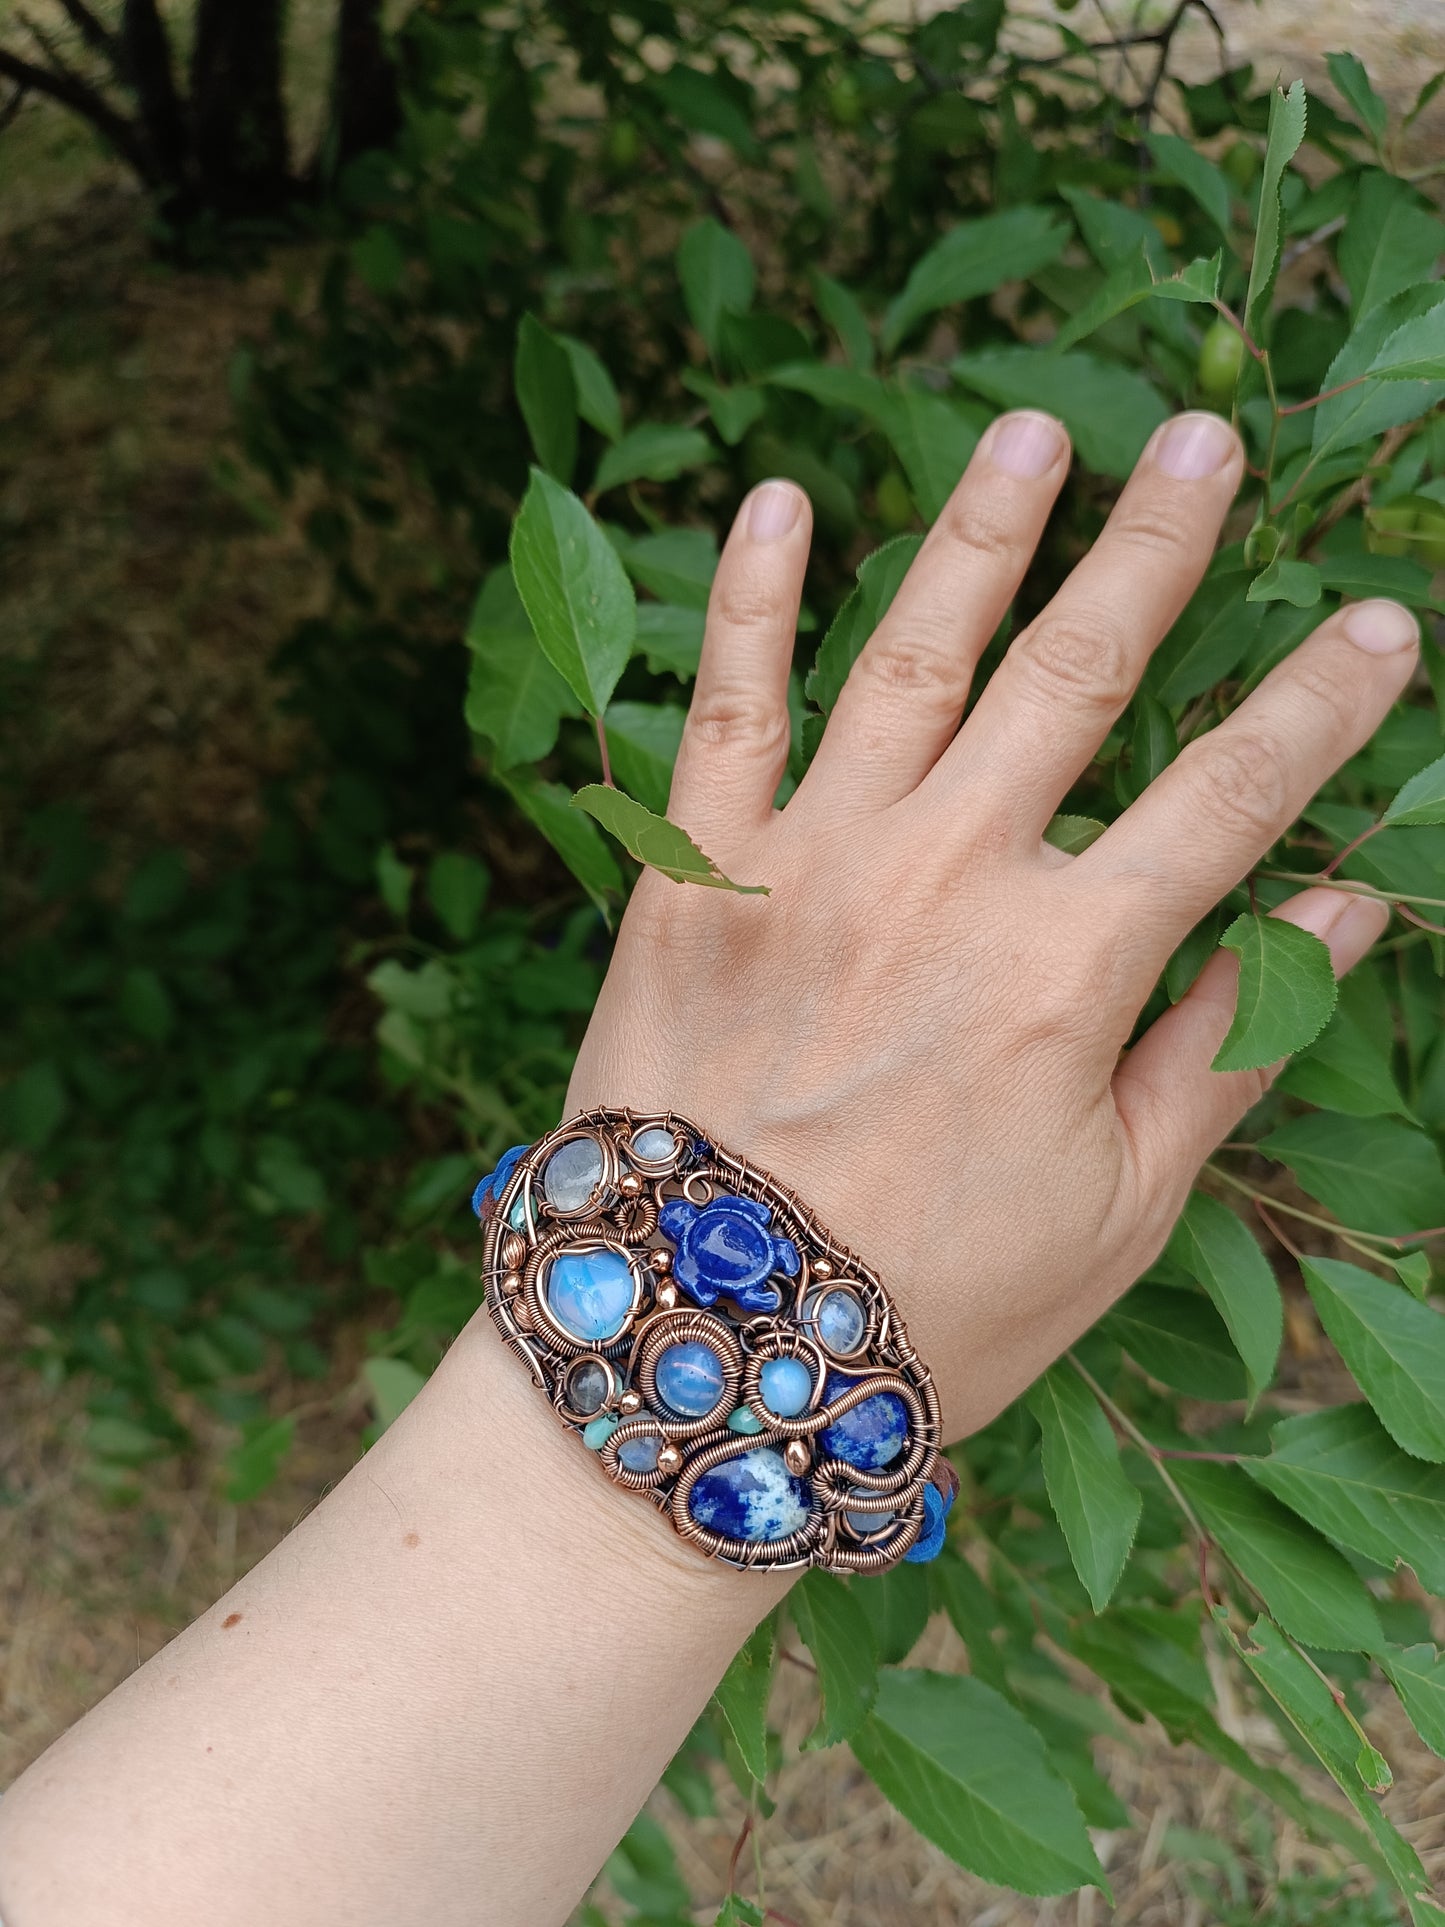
x: 744, y: 1420
x: 596, y: 1435
x: 589, y: 1293
x: 786, y: 1385
x: 690, y: 1379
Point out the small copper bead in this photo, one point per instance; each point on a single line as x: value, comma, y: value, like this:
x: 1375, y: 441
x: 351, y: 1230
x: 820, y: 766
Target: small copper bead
x: 630, y: 1185
x: 629, y: 1403
x: 514, y: 1249
x: 669, y: 1460
x: 666, y: 1295
x: 797, y: 1457
x: 512, y: 1282
x: 660, y: 1260
x: 822, y: 1268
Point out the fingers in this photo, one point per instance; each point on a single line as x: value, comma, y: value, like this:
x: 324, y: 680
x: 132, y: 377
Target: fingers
x: 901, y: 704
x: 1173, y: 1108
x: 1066, y: 679
x: 735, y: 741
x: 1230, y: 794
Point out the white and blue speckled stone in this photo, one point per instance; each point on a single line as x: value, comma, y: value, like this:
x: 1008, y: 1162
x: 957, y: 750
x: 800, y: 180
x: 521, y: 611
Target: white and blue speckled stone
x: 753, y: 1497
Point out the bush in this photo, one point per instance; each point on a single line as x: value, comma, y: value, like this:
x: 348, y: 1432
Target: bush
x: 832, y: 252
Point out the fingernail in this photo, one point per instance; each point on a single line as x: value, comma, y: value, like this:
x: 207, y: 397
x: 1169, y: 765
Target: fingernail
x: 1193, y: 446
x: 1347, y: 924
x: 1026, y: 445
x: 773, y: 510
x: 1382, y: 628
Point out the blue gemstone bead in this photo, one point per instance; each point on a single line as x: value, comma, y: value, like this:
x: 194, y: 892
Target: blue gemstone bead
x: 640, y: 1455
x: 929, y: 1542
x: 870, y: 1436
x: 839, y: 1320
x: 690, y: 1379
x: 753, y: 1497
x: 589, y: 1293
x: 868, y: 1523
x: 655, y: 1145
x: 786, y: 1385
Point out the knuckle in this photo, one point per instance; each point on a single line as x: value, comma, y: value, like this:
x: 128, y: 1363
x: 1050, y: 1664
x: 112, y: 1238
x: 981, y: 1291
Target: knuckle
x: 738, y: 719
x: 1322, y: 691
x: 1242, y: 781
x: 1080, y: 656
x: 914, y: 662
x: 740, y: 601
x: 981, y: 530
x: 1146, y: 527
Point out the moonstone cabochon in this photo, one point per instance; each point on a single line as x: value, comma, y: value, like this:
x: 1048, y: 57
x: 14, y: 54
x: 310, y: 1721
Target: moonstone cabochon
x: 572, y: 1174
x: 753, y: 1497
x: 689, y: 1378
x: 656, y: 1145
x: 589, y: 1293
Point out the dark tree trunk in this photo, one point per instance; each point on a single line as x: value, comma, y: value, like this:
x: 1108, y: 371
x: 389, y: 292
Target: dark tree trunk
x: 238, y: 114
x: 144, y: 60
x: 366, y: 100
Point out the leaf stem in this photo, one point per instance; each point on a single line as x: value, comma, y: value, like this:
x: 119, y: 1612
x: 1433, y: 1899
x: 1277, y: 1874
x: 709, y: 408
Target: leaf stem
x: 1349, y: 884
x: 1147, y: 1446
x: 1299, y: 407
x: 1350, y: 1233
x: 606, y: 760
x: 1335, y: 861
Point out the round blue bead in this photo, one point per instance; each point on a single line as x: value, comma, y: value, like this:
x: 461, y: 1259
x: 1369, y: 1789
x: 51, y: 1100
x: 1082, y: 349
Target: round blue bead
x: 589, y: 1293
x: 870, y: 1436
x: 753, y: 1496
x: 640, y: 1455
x: 786, y: 1385
x: 690, y: 1379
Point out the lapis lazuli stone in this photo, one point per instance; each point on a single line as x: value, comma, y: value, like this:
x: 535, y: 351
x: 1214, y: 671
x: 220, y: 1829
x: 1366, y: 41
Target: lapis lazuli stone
x: 838, y: 1319
x: 690, y: 1379
x: 572, y: 1174
x: 753, y: 1496
x: 655, y: 1145
x: 589, y: 1293
x: 726, y: 1246
x: 872, y: 1434
x: 786, y: 1385
x: 640, y: 1455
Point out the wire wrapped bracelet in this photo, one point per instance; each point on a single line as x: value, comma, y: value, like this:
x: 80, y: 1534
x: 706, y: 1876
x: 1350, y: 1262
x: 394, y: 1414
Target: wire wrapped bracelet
x: 700, y: 1332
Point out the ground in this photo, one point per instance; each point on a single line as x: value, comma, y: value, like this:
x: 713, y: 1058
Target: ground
x: 148, y: 596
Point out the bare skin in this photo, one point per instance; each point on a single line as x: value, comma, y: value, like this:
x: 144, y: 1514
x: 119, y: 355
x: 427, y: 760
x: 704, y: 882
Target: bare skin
x: 931, y: 998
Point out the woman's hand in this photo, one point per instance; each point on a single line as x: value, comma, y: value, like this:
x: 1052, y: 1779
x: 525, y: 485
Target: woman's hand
x: 919, y: 1029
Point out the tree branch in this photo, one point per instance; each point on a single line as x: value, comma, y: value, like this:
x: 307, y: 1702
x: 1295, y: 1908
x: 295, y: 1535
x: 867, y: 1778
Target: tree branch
x: 93, y: 30
x: 81, y: 98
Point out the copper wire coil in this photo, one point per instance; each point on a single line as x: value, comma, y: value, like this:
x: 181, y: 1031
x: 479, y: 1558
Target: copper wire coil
x: 644, y: 1426
x: 638, y: 1217
x: 792, y: 1549
x: 680, y: 1327
x: 576, y: 1237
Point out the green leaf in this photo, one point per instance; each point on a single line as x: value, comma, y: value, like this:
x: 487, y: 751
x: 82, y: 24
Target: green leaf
x: 515, y: 698
x: 253, y: 1465
x: 733, y: 410
x: 1415, y: 1273
x: 709, y: 103
x: 1219, y: 1251
x: 145, y: 1004
x: 717, y: 278
x: 1343, y: 1472
x: 897, y: 1605
x: 670, y: 638
x: 1417, y: 1674
x: 575, y: 838
x: 972, y: 259
x: 642, y: 740
x: 1371, y: 406
x: 1286, y: 580
x: 1422, y: 800
x: 1415, y: 351
x: 574, y: 590
x: 1286, y: 131
x: 392, y: 1385
x: 1394, y: 1345
x: 933, y: 440
x: 1390, y: 242
x: 1132, y: 282
x: 974, y: 1777
x: 547, y: 394
x: 737, y: 1912
x: 1310, y: 1707
x: 1366, y: 575
x: 678, y: 565
x: 1110, y: 411
x: 843, y: 314
x: 1178, y: 1338
x: 1347, y: 71
x: 1211, y: 638
x: 651, y: 452
x: 457, y: 885
x: 1286, y: 995
x: 1181, y: 162
x: 393, y: 881
x: 1372, y: 1172
x: 652, y: 840
x: 1153, y: 745
x: 836, y: 1631
x: 644, y: 1872
x: 36, y: 1105
x: 742, y: 1699
x: 880, y: 576
x: 836, y: 387
x: 1096, y: 1505
x: 1073, y: 833
x: 1311, y: 1589
x: 1348, y: 1069
x: 597, y: 398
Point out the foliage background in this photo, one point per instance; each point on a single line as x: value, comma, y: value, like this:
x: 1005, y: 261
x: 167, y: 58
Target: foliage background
x: 214, y: 892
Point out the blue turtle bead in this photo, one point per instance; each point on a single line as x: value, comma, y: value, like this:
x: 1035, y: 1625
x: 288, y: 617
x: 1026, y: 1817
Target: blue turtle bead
x: 929, y: 1542
x: 726, y: 1247
x: 870, y: 1436
x: 589, y: 1293
x: 674, y: 1218
x: 689, y: 1379
x: 752, y: 1497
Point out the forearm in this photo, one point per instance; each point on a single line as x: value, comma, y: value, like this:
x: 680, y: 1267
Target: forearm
x: 441, y: 1698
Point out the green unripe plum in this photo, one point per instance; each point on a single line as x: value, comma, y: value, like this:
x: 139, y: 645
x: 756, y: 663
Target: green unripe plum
x: 894, y: 503
x: 1240, y: 165
x: 845, y: 101
x: 624, y: 145
x: 1221, y: 356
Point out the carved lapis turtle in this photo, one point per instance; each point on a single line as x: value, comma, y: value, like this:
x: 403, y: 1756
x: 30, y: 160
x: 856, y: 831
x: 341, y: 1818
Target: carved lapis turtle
x: 727, y: 1248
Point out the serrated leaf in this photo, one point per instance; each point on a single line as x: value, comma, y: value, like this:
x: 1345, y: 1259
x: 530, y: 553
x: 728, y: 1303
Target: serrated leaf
x: 1096, y: 1504
x: 1287, y: 580
x: 840, y: 308
x: 1372, y: 1172
x: 642, y: 741
x: 1370, y: 406
x: 1312, y: 1591
x: 1343, y: 1472
x: 1178, y: 1338
x: 1390, y: 242
x: 1417, y: 1674
x: 880, y: 576
x: 973, y: 1776
x: 1219, y: 1251
x: 1287, y: 992
x: 392, y: 1385
x: 897, y: 1604
x: 1212, y: 636
x: 934, y: 440
x: 670, y: 638
x: 733, y: 410
x: 597, y: 399
x: 651, y: 452
x: 737, y: 1912
x: 1394, y: 1346
x: 717, y: 276
x: 742, y: 1699
x: 678, y: 565
x: 1415, y: 351
x: 1073, y: 833
x: 575, y: 591
x: 1347, y: 71
x: 1181, y: 162
x: 1346, y: 1069
x: 515, y: 698
x: 1134, y: 281
x: 1287, y: 113
x: 547, y: 395
x: 1422, y: 800
x: 652, y: 840
x: 972, y: 259
x: 1110, y: 411
x: 836, y: 1630
x: 575, y: 838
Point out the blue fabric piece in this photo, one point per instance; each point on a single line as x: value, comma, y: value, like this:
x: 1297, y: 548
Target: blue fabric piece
x: 495, y: 1182
x: 870, y: 1436
x: 725, y: 1247
x: 929, y: 1542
